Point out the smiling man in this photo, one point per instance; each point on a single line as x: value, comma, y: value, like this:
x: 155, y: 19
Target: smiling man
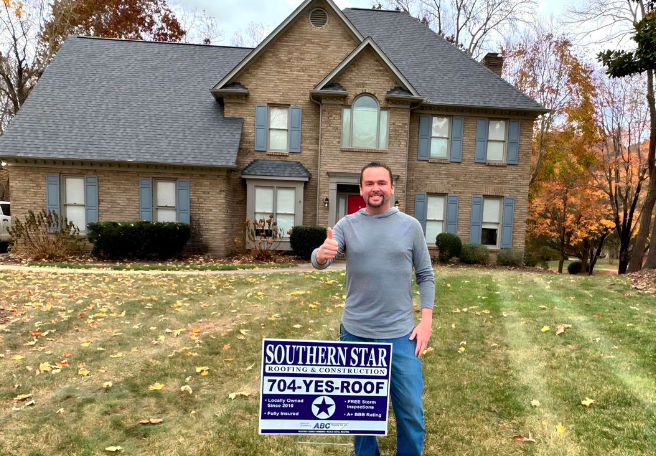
x: 383, y: 246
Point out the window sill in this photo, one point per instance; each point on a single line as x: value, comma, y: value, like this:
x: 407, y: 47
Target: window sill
x: 439, y: 160
x: 277, y: 152
x: 358, y: 149
x: 499, y: 164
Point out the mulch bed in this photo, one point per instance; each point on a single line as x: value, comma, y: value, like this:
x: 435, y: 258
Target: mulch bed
x: 644, y: 280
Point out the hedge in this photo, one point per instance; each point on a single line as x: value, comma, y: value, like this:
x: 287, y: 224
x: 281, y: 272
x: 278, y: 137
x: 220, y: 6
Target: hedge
x: 304, y: 239
x: 142, y: 240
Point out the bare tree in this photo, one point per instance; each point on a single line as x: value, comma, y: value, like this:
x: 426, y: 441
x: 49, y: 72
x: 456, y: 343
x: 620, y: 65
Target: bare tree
x: 470, y: 25
x: 200, y: 28
x: 621, y: 173
x: 253, y: 35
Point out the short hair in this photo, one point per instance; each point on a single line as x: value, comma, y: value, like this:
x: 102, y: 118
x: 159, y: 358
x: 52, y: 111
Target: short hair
x: 377, y: 165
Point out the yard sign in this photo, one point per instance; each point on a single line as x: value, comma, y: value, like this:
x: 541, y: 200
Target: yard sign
x: 321, y: 387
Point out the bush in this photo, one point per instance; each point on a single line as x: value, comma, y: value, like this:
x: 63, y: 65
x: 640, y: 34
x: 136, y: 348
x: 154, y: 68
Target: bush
x: 143, y: 240
x: 474, y: 254
x: 45, y: 236
x: 510, y: 257
x: 575, y: 267
x: 304, y: 239
x: 449, y: 245
x: 548, y: 254
x: 533, y: 259
x: 262, y: 237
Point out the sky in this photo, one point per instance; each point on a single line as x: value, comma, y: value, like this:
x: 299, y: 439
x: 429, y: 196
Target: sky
x: 234, y: 15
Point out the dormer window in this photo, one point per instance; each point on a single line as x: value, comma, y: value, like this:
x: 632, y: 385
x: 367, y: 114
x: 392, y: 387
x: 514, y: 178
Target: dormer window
x: 365, y: 125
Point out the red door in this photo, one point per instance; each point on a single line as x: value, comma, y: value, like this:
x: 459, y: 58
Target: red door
x: 354, y: 203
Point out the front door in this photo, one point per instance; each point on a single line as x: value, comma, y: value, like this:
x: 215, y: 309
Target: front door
x: 354, y: 203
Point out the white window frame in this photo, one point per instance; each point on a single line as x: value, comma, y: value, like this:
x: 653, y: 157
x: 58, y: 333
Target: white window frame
x: 504, y: 142
x: 444, y: 196
x: 64, y: 204
x: 269, y: 128
x: 448, y: 138
x: 275, y: 202
x: 348, y: 141
x: 499, y: 224
x: 156, y: 208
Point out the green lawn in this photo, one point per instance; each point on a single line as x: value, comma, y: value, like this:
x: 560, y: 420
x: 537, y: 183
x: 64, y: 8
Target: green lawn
x: 161, y: 267
x: 136, y: 331
x: 602, y: 266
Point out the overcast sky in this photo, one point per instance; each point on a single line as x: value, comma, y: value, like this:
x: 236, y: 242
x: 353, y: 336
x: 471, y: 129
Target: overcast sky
x: 234, y: 15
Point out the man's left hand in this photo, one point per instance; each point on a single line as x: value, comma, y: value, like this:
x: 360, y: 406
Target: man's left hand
x: 422, y: 332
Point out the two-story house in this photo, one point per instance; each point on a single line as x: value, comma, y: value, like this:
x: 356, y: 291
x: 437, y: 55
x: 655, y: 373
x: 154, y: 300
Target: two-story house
x: 121, y: 130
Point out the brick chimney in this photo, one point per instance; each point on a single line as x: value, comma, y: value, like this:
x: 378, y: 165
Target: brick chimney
x: 493, y: 61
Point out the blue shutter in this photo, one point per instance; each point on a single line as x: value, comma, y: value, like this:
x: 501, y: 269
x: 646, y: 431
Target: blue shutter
x: 457, y: 127
x: 183, y: 201
x: 508, y: 218
x: 452, y: 214
x: 420, y: 209
x: 52, y: 192
x: 146, y: 199
x: 425, y: 126
x: 295, y: 129
x: 476, y: 220
x: 513, y: 142
x: 481, y: 141
x: 261, y: 127
x: 91, y: 199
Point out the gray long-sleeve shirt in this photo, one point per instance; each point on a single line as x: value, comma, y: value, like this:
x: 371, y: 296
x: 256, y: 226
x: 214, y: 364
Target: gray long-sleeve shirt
x: 381, y: 252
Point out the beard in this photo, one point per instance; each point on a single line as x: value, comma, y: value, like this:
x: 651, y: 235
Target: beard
x: 383, y: 200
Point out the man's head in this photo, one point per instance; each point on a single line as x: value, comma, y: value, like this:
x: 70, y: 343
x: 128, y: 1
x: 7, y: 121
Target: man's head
x: 376, y: 187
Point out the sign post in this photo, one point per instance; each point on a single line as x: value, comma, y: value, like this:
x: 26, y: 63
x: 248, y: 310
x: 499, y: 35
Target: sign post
x: 322, y: 387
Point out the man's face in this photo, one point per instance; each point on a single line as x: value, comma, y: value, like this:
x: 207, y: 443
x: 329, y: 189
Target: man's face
x: 376, y: 190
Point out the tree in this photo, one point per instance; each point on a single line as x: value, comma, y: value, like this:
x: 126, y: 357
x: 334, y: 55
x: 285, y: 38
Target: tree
x: 543, y: 65
x: 619, y: 64
x: 470, y: 25
x: 621, y: 171
x: 253, y: 35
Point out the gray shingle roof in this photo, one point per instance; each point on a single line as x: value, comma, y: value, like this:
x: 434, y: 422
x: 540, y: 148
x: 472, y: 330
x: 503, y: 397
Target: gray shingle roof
x: 441, y: 73
x: 114, y: 100
x: 276, y: 168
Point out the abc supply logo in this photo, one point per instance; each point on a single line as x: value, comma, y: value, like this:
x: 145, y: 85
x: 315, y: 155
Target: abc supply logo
x: 323, y: 407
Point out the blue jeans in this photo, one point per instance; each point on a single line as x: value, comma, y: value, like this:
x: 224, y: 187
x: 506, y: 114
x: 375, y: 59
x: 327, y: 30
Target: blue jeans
x: 407, y: 386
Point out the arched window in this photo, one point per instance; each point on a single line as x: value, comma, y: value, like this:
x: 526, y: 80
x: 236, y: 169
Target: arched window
x: 364, y: 125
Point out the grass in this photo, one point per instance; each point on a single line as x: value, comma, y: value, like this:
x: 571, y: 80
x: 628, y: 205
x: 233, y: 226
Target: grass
x: 475, y: 401
x: 162, y: 267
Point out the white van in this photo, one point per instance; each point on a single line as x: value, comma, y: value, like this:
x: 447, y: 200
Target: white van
x: 5, y: 221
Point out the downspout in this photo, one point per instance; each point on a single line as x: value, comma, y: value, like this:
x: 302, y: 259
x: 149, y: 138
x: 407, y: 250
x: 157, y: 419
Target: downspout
x: 318, y: 157
x: 407, y: 156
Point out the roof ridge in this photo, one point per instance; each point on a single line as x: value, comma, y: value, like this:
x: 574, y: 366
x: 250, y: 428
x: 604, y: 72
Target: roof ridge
x: 376, y: 10
x: 159, y: 42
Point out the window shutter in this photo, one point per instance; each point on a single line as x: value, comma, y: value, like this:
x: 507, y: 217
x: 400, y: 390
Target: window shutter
x: 261, y: 112
x: 476, y: 220
x: 452, y: 214
x: 91, y: 199
x: 481, y: 141
x: 183, y: 201
x: 457, y: 127
x: 425, y: 125
x: 513, y: 142
x: 508, y: 219
x: 295, y: 129
x: 146, y: 199
x: 420, y: 209
x: 52, y: 192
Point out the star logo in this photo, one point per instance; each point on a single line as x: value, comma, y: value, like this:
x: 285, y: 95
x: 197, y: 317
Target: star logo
x: 323, y: 407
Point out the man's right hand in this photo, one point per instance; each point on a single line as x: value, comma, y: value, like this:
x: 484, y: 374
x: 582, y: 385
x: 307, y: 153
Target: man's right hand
x: 328, y: 249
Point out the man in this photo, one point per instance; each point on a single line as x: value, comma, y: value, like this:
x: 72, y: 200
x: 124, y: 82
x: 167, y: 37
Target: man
x: 383, y: 245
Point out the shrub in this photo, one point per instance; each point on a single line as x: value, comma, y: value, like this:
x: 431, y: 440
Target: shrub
x: 263, y: 238
x: 510, y: 257
x: 474, y: 254
x: 304, y: 239
x: 548, y: 254
x: 143, y: 240
x: 45, y: 236
x: 449, y: 245
x: 533, y: 259
x: 575, y: 267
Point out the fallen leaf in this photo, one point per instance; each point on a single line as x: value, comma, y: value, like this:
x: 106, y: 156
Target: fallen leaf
x: 107, y: 385
x: 546, y: 329
x: 297, y: 326
x: 114, y: 449
x: 45, y: 367
x: 22, y: 397
x: 156, y: 386
x: 588, y: 402
x: 244, y: 331
x: 226, y: 347
x: 562, y: 328
x: 186, y: 388
x: 461, y: 349
x: 17, y: 357
x: 428, y: 350
x: 238, y: 394
x: 560, y: 428
x: 535, y: 403
x: 521, y: 438
x: 84, y: 372
x: 203, y: 370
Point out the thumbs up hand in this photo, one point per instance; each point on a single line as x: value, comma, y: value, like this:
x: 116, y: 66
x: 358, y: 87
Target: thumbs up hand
x: 328, y: 249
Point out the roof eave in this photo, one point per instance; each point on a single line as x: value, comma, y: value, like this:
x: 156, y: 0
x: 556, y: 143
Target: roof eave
x: 537, y: 110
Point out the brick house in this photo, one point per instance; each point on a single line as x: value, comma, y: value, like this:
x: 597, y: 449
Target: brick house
x: 121, y: 130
